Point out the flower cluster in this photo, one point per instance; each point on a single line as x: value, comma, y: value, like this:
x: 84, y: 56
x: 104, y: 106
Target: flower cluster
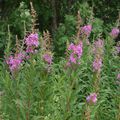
x: 114, y: 33
x: 31, y: 42
x: 92, y: 98
x: 14, y: 62
x: 47, y: 58
x: 76, y: 52
x: 86, y: 29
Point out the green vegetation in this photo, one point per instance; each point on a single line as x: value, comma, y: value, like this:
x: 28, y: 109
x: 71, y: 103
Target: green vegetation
x: 60, y: 60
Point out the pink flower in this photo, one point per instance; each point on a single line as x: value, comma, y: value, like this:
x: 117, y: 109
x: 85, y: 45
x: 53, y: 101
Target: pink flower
x: 29, y: 49
x: 72, y: 58
x: 97, y: 64
x: 20, y: 56
x: 118, y: 76
x: 48, y: 58
x: 76, y: 52
x: 71, y: 46
x: 14, y: 63
x: 79, y: 50
x: 32, y: 40
x: 92, y: 98
x: 87, y: 29
x: 114, y: 33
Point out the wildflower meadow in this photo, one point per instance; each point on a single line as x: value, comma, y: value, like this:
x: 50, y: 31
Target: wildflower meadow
x: 72, y: 75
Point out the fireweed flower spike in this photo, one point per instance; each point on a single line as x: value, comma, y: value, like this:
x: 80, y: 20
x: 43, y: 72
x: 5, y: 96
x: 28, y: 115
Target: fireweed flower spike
x: 92, y: 98
x: 75, y: 52
x: 98, y: 52
x: 87, y: 29
x: 15, y: 62
x: 114, y: 33
x: 32, y: 42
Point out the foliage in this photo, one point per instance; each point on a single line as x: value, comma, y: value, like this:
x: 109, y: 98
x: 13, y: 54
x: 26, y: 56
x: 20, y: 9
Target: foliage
x: 33, y: 86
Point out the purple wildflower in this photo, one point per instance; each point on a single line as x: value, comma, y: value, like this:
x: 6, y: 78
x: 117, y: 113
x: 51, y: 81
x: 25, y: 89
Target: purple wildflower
x: 14, y: 63
x: 32, y: 40
x: 48, y: 58
x: 71, y: 46
x: 87, y: 29
x: 92, y: 98
x: 20, y: 56
x: 72, y: 58
x: 114, y: 33
x: 29, y: 49
x: 76, y: 52
x: 97, y: 64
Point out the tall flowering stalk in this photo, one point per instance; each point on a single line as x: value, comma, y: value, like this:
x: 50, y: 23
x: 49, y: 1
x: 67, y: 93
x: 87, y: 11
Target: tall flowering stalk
x: 46, y: 47
x: 34, y: 18
x: 74, y: 53
x: 31, y: 42
x: 97, y: 63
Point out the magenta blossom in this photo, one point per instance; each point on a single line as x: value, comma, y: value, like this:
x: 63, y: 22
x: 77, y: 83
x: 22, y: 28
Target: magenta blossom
x: 76, y: 52
x: 20, y: 56
x: 32, y: 40
x: 114, y: 33
x: 92, y: 98
x: 97, y: 64
x: 14, y: 63
x: 72, y: 58
x: 29, y: 49
x: 71, y: 46
x: 48, y: 58
x: 87, y: 29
